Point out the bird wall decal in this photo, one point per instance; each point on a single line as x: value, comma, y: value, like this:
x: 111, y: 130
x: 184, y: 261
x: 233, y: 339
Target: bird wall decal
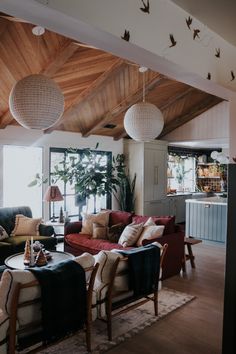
x: 209, y: 76
x: 173, y: 41
x: 232, y: 75
x: 196, y: 33
x: 217, y: 55
x: 146, y: 7
x: 189, y: 21
x: 126, y: 36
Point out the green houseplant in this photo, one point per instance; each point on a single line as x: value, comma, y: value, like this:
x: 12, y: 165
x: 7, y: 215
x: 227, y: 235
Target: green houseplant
x: 91, y: 176
x: 88, y: 172
x: 125, y: 195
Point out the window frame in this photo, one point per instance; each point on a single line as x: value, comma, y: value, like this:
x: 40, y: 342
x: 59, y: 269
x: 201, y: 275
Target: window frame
x: 108, y: 154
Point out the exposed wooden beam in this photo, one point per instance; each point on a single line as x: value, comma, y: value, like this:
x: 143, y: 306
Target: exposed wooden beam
x: 89, y: 92
x: 5, y: 119
x: 59, y: 60
x: 196, y: 111
x: 120, y: 135
x: 126, y: 103
x: 176, y: 98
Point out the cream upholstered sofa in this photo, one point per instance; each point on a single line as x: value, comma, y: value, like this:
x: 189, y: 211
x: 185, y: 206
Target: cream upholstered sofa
x: 112, y: 284
x: 107, y: 261
x: 31, y: 313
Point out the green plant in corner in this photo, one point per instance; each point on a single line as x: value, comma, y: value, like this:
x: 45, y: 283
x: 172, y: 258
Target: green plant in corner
x: 125, y: 195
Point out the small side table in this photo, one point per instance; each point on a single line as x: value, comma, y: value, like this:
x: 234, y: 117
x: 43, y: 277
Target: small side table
x: 16, y: 261
x: 189, y: 242
x: 58, y: 229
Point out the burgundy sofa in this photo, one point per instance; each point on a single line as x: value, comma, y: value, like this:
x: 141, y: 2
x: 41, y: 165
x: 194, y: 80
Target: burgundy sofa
x: 78, y: 243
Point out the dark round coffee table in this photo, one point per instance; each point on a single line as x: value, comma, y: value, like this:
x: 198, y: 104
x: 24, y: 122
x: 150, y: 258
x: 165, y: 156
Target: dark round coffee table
x: 16, y: 261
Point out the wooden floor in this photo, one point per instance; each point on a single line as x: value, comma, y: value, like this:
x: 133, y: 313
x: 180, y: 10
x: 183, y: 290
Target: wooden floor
x: 196, y: 328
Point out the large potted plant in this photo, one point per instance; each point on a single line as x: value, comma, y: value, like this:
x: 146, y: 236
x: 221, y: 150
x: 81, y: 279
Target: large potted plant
x: 88, y: 173
x: 125, y: 194
x: 91, y: 176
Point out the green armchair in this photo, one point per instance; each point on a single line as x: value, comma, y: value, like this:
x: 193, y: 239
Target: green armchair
x: 15, y: 244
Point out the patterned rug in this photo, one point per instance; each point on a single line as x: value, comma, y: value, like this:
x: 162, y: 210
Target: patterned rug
x: 124, y: 326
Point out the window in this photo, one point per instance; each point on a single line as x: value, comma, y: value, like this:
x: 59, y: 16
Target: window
x: 71, y: 204
x: 20, y: 165
x: 181, y: 173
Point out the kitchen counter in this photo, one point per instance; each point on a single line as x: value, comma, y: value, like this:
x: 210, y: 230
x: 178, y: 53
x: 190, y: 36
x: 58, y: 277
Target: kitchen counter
x: 209, y: 200
x: 206, y: 218
x: 179, y: 194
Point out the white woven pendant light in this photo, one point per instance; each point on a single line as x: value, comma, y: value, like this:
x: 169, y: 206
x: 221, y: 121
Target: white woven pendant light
x: 36, y: 102
x: 143, y: 121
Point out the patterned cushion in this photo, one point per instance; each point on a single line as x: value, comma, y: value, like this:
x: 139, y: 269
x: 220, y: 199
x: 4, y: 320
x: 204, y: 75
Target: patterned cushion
x: 167, y: 221
x: 4, y: 326
x: 130, y: 235
x: 114, y: 232
x: 3, y: 233
x: 26, y: 226
x: 88, y: 220
x: 150, y: 231
x: 106, y: 260
x: 99, y: 231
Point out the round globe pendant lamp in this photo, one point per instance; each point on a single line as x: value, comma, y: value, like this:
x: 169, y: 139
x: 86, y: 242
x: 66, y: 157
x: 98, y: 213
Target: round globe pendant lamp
x: 36, y: 102
x: 143, y: 121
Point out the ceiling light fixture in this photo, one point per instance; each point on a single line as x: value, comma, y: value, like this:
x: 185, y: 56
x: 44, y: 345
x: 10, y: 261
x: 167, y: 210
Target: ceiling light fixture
x: 143, y: 121
x: 36, y: 101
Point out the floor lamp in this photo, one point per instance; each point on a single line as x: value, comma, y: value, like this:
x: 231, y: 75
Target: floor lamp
x: 53, y: 195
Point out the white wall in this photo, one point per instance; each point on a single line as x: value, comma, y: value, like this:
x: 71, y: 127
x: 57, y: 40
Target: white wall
x: 211, y: 127
x: 13, y: 135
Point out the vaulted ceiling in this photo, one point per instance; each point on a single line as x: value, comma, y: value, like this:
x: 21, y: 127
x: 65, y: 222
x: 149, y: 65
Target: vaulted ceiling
x: 98, y: 87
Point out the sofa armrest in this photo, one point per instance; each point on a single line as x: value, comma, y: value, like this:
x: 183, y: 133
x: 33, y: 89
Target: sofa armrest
x: 46, y: 230
x: 173, y: 260
x: 178, y: 228
x: 73, y: 227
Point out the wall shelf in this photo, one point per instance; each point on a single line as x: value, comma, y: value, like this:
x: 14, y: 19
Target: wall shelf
x: 203, y: 177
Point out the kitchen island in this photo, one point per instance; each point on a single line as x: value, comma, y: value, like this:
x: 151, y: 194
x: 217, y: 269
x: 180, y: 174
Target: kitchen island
x: 206, y: 218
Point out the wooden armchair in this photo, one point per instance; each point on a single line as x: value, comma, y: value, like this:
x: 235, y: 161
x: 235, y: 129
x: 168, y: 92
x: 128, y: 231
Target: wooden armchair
x: 21, y: 301
x: 117, y: 293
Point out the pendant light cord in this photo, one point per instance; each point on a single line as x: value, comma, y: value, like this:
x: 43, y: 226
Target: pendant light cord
x: 143, y: 86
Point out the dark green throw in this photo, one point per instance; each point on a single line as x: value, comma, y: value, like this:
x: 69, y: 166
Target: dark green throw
x: 144, y: 269
x: 63, y: 288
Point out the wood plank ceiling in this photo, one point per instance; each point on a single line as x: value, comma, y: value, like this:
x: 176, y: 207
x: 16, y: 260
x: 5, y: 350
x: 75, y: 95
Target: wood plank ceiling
x: 98, y: 87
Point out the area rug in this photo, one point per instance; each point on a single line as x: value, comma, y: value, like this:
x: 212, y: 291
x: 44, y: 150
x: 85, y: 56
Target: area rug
x: 124, y: 326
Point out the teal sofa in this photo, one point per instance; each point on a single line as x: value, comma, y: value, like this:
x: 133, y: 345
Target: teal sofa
x: 15, y: 244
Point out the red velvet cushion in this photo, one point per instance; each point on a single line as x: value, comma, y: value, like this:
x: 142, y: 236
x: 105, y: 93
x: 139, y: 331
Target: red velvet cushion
x: 93, y: 246
x: 117, y: 217
x: 168, y: 221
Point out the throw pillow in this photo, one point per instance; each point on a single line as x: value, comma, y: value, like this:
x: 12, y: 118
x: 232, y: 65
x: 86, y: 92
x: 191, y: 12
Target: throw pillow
x: 114, y: 232
x: 3, y: 233
x: 150, y: 232
x: 130, y: 235
x: 99, y: 231
x: 88, y: 220
x: 25, y: 226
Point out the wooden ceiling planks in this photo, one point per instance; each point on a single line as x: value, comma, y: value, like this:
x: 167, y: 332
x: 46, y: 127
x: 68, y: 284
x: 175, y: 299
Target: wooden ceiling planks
x: 98, y: 87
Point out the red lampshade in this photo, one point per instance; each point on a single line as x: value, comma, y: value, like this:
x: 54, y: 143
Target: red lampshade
x: 53, y: 194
